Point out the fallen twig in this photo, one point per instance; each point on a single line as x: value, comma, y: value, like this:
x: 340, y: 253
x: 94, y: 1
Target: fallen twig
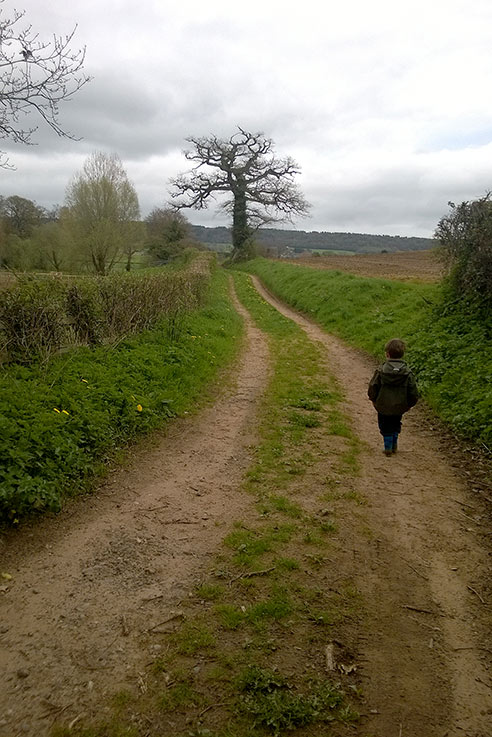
x: 124, y: 626
x: 466, y: 516
x: 74, y: 721
x: 211, y: 706
x: 165, y: 621
x: 414, y: 569
x: 152, y: 598
x: 474, y: 647
x: 464, y: 504
x: 424, y: 624
x: 416, y: 609
x: 253, y: 573
x: 54, y: 710
x: 180, y: 522
x: 330, y: 656
x: 476, y: 592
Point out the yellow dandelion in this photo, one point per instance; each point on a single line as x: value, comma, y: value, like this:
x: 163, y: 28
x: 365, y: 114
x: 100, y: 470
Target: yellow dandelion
x: 56, y: 410
x: 139, y: 407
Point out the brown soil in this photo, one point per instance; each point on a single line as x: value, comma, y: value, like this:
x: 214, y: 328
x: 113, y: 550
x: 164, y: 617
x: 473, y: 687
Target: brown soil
x: 89, y: 585
x: 402, y: 265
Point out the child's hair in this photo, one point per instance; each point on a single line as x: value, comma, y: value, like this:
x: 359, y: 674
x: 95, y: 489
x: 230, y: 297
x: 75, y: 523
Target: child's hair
x: 395, y: 348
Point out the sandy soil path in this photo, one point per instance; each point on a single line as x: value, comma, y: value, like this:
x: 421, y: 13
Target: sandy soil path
x: 89, y: 585
x: 423, y: 572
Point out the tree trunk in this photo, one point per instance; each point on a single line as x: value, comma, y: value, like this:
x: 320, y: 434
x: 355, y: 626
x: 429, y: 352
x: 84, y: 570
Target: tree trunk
x: 240, y: 230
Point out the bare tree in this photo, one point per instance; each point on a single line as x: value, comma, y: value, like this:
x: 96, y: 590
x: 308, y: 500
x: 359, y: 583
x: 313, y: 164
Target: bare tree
x: 261, y: 185
x: 35, y: 76
x: 103, y: 212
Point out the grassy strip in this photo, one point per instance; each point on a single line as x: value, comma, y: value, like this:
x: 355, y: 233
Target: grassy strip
x: 449, y: 348
x: 61, y: 422
x: 249, y: 657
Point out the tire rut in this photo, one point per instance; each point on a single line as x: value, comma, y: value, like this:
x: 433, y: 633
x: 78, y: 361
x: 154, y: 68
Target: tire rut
x: 426, y: 645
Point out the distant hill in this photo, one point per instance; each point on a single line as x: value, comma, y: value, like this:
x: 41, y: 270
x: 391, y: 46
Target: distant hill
x: 301, y: 240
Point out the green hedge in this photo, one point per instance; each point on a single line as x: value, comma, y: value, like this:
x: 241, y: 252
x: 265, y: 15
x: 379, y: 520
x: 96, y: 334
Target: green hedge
x: 60, y: 422
x: 449, y: 346
x: 40, y: 317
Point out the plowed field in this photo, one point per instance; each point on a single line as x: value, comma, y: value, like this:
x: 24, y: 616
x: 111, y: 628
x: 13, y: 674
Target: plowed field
x: 402, y: 265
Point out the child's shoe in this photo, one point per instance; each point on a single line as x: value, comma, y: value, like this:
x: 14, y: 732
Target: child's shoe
x: 388, y: 444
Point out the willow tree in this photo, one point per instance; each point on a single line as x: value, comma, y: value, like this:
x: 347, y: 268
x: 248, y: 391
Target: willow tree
x: 259, y: 186
x: 103, y: 213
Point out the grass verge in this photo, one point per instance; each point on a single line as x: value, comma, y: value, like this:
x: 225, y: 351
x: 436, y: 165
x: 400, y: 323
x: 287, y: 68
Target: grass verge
x: 449, y: 345
x: 62, y: 421
x: 250, y: 656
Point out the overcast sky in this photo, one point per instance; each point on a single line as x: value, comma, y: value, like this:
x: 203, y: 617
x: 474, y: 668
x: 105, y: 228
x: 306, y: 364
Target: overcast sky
x: 385, y: 105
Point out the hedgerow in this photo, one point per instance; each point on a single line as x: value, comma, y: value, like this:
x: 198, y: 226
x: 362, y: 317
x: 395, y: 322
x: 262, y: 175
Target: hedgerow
x: 41, y: 317
x: 61, y: 421
x: 449, y: 346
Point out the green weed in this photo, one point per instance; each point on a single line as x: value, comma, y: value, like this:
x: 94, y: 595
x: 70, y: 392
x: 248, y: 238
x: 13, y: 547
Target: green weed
x: 193, y: 637
x: 284, y: 505
x: 179, y: 696
x: 270, y: 701
x: 210, y: 591
x: 287, y: 564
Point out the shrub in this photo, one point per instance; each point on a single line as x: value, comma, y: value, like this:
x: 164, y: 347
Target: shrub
x: 465, y: 235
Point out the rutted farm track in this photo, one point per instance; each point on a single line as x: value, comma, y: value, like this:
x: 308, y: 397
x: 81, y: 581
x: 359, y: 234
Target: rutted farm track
x: 90, y: 586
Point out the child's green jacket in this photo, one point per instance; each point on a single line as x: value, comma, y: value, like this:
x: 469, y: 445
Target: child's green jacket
x: 393, y: 389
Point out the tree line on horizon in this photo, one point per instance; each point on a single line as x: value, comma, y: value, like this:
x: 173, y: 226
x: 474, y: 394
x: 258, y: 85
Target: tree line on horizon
x: 276, y: 239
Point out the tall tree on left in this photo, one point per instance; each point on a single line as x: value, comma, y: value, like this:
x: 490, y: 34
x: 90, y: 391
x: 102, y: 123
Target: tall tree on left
x: 103, y: 213
x: 36, y: 75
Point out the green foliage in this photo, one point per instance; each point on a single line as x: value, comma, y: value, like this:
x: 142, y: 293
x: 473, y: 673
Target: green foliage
x: 251, y: 544
x: 103, y: 213
x: 465, y: 235
x: 449, y: 346
x: 268, y: 699
x: 39, y: 317
x: 192, y: 638
x: 61, y: 421
x: 168, y: 234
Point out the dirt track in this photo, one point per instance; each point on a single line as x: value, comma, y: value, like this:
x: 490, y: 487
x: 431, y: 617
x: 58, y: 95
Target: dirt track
x: 89, y: 585
x: 422, y: 668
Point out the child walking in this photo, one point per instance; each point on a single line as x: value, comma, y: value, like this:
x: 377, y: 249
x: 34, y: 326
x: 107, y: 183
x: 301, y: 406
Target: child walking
x: 393, y: 391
